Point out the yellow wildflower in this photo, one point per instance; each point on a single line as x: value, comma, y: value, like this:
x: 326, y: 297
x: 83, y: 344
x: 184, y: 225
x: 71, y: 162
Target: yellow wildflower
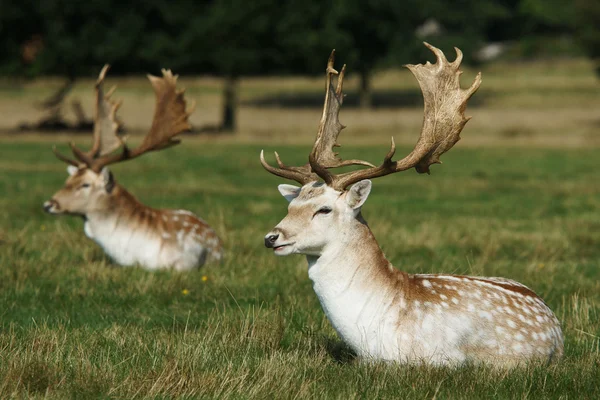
x: 204, y: 278
x: 185, y: 292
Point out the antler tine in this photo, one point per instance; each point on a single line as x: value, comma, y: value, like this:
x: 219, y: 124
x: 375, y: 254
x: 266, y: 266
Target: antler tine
x: 279, y: 162
x: 459, y: 57
x: 340, y: 82
x: 81, y: 155
x: 64, y: 158
x: 302, y: 175
x: 439, y: 55
x: 444, y: 119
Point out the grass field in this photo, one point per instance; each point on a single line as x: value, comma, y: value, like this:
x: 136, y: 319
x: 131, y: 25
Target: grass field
x: 520, y: 205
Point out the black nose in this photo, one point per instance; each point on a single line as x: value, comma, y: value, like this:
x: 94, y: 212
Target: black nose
x: 270, y: 240
x: 48, y: 205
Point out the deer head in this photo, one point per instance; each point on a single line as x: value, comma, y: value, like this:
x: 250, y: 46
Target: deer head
x: 320, y: 213
x: 90, y: 184
x: 85, y: 191
x: 317, y: 216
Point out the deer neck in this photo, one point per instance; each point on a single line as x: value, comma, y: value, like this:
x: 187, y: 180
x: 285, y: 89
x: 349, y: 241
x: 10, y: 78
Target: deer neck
x: 357, y: 286
x: 120, y: 211
x: 357, y: 250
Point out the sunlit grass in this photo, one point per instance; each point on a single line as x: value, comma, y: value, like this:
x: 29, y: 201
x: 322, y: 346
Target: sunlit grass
x: 75, y: 325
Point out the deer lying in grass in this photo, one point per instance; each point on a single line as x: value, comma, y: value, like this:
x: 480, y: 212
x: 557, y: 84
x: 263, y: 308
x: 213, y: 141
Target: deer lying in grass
x: 380, y: 312
x: 128, y: 231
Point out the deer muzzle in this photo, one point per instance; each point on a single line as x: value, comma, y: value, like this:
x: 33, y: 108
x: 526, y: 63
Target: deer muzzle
x: 51, y: 206
x: 270, y: 240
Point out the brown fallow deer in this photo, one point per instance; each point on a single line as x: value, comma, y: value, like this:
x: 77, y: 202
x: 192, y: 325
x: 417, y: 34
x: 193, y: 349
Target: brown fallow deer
x: 128, y: 231
x: 380, y: 312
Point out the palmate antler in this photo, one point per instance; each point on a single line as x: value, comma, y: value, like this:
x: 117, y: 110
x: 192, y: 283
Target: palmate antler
x: 327, y: 135
x: 106, y: 126
x: 444, y: 119
x: 170, y: 119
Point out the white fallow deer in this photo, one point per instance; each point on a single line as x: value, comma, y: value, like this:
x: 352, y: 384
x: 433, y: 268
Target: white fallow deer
x: 128, y: 231
x: 381, y: 312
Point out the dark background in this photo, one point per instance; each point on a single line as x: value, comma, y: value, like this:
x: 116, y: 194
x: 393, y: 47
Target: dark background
x: 237, y: 38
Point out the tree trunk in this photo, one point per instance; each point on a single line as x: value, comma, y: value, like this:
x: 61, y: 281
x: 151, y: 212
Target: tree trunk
x: 230, y: 104
x: 366, y: 101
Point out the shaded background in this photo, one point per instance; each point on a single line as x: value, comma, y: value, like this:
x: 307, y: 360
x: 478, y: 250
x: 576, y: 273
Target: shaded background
x: 232, y: 40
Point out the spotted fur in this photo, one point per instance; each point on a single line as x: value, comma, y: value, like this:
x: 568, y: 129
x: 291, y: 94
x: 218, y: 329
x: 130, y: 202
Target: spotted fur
x: 130, y: 232
x: 386, y: 314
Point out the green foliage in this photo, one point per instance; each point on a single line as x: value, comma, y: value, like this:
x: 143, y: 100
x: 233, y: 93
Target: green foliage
x: 78, y: 37
x: 221, y: 37
x: 239, y: 38
x: 230, y: 38
x: 76, y: 326
x: 555, y: 28
x: 557, y: 16
x: 367, y: 30
x: 17, y: 24
x: 588, y: 29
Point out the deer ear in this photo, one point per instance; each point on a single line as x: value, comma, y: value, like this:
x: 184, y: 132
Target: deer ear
x: 358, y: 193
x: 72, y: 170
x: 290, y: 192
x: 109, y: 180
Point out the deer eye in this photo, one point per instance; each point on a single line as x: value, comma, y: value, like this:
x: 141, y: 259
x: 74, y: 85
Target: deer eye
x: 323, y: 210
x: 85, y: 185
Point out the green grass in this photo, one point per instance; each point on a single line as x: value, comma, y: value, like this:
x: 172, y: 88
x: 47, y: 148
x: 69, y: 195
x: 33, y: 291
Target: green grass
x: 74, y: 325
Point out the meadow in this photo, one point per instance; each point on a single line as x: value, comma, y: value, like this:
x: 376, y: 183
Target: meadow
x: 518, y: 197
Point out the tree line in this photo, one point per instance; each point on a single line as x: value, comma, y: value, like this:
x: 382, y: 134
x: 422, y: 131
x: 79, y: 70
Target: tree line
x: 236, y: 38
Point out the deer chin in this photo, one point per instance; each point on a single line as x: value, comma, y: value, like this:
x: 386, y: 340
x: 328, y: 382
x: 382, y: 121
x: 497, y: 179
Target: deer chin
x: 283, y: 249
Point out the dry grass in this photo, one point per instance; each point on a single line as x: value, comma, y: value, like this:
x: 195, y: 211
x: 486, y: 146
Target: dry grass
x: 544, y: 104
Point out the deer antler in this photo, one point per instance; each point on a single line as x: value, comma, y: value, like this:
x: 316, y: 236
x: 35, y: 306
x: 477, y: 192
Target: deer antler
x: 106, y: 126
x: 170, y: 116
x: 327, y: 135
x: 444, y: 119
x: 170, y: 119
x: 330, y: 126
x: 302, y: 174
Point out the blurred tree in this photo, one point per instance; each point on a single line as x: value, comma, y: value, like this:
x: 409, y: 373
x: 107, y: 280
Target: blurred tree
x: 557, y: 16
x: 541, y: 22
x: 467, y: 24
x: 77, y: 37
x: 72, y: 39
x: 587, y: 29
x: 380, y: 33
x: 19, y: 29
x: 367, y: 31
x: 235, y: 38
x: 231, y: 38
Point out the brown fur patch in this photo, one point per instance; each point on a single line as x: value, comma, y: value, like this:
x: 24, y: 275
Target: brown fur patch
x: 310, y: 191
x: 519, y: 318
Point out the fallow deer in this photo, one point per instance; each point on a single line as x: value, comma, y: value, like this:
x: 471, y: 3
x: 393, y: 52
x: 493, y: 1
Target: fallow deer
x: 381, y: 312
x: 128, y: 231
